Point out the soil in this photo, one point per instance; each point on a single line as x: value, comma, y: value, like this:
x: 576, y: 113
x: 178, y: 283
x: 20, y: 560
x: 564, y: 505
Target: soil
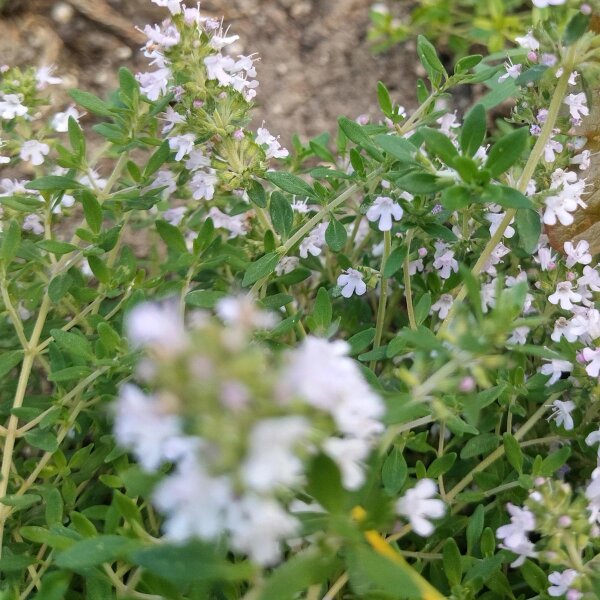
x: 316, y: 63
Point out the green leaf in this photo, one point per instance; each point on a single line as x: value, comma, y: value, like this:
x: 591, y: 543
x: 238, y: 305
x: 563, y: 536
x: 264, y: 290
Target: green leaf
x: 18, y: 502
x: 389, y: 577
x: 529, y: 227
x: 171, y: 236
x: 422, y: 183
x: 322, y: 311
x: 441, y: 465
x: 422, y: 308
x: 354, y: 132
x: 128, y: 84
x: 172, y: 562
x: 204, y: 298
x: 158, y: 159
x: 361, y: 340
x: 335, y: 235
x: 91, y: 210
x: 99, y: 269
x: 73, y: 343
x: 439, y: 145
x: 263, y: 267
x: 429, y: 59
x: 257, y: 195
x: 54, y: 507
x: 53, y: 183
x: 473, y: 131
x: 325, y: 484
x: 555, y: 461
x: 9, y: 360
x: 398, y: 147
x: 451, y: 561
x: 475, y: 528
x: 11, y: 563
x: 467, y: 63
x: 296, y: 574
x: 507, y: 151
x: 94, y: 551
x: 481, y: 444
x: 576, y: 28
x: 385, y: 102
x: 394, y: 261
x: 45, y: 440
x: 535, y: 577
x: 76, y: 137
x: 11, y: 240
x: 456, y: 197
x: 505, y: 196
x: 394, y: 471
x: 282, y: 214
x: 69, y: 374
x: 513, y: 452
x: 56, y: 247
x: 91, y: 103
x: 290, y: 183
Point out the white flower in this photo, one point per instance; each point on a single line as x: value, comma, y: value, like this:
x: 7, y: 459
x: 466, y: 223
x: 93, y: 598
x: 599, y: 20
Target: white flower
x: 167, y: 36
x: 197, y: 160
x: 561, y: 582
x: 271, y: 461
x: 550, y: 150
x: 195, y: 504
x: 418, y: 505
x: 592, y: 356
x: 242, y: 312
x: 562, y: 327
x: 175, y: 215
x: 313, y: 242
x: 34, y: 152
x: 174, y: 6
x: 590, y: 279
x: 11, y: 106
x: 257, y: 526
x: 44, y: 78
x: 578, y: 254
x: 384, y: 209
x: 144, y: 426
x: 561, y: 413
x: 348, y: 454
x: 559, y: 207
x: 593, y: 438
x: 446, y: 263
x: 522, y: 520
x: 583, y: 160
x: 443, y: 305
x: 545, y: 3
x: 218, y: 42
x: 34, y: 224
x: 182, y: 145
x: 171, y: 118
x: 528, y: 42
x: 519, y: 335
x: 352, y: 282
x: 524, y: 548
x: 156, y: 325
x: 564, y: 295
x: 512, y: 71
x: 274, y: 149
x: 167, y: 179
x: 154, y: 84
x: 495, y: 219
x: 217, y: 66
x: 555, y: 368
x: 60, y: 121
x: 203, y: 185
x: 236, y: 225
x: 286, y: 265
x: 577, y: 104
x: 319, y: 372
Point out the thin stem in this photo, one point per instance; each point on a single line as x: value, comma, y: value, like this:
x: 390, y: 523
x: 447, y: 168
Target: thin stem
x: 407, y: 284
x: 14, y: 315
x: 337, y: 587
x: 528, y: 171
x: 13, y: 423
x: 387, y: 248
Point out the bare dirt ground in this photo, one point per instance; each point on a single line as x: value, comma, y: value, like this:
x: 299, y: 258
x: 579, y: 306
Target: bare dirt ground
x: 315, y: 60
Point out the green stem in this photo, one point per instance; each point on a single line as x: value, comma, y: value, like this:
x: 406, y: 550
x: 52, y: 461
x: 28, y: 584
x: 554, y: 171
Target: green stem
x: 387, y: 249
x: 407, y: 284
x: 528, y: 171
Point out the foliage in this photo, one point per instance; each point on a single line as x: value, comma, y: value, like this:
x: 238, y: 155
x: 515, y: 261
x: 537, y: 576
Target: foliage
x: 355, y: 369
